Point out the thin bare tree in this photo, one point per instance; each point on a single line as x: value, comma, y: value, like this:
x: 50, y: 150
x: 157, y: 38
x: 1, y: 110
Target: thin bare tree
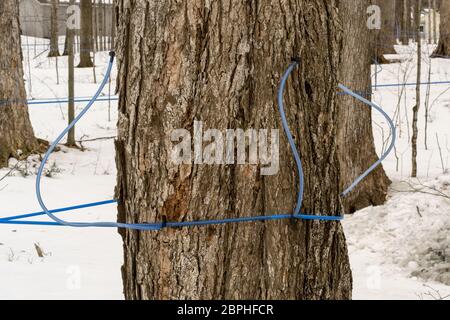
x: 71, y: 83
x: 415, y: 130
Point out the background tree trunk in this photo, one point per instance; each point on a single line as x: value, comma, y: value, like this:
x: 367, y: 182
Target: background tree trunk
x: 86, y: 34
x: 355, y: 135
x: 434, y: 22
x: 406, y: 32
x: 103, y: 14
x: 399, y: 8
x: 54, y: 45
x: 430, y: 30
x: 407, y: 21
x: 95, y: 26
x: 221, y: 63
x: 16, y: 134
x: 386, y: 37
x: 443, y: 48
x: 113, y: 30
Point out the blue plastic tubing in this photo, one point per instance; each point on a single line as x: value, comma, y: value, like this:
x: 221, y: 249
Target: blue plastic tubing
x: 158, y: 226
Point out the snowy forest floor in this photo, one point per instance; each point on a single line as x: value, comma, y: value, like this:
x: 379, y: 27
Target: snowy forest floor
x: 400, y: 250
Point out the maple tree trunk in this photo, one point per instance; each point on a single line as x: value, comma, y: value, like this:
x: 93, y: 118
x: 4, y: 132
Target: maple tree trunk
x: 406, y: 32
x: 386, y: 37
x: 86, y: 39
x: 54, y: 45
x: 355, y: 133
x: 222, y: 63
x: 443, y: 48
x: 16, y: 133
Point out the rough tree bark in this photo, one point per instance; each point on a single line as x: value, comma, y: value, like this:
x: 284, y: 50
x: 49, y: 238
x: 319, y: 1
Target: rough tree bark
x: 355, y: 135
x: 54, y: 45
x: 86, y: 39
x: 386, y: 38
x: 16, y: 133
x: 221, y: 62
x: 443, y: 48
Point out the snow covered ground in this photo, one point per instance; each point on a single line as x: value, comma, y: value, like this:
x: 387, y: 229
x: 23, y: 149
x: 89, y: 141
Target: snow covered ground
x: 400, y: 250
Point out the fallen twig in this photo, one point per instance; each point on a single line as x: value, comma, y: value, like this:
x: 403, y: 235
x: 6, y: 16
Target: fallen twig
x: 419, y: 189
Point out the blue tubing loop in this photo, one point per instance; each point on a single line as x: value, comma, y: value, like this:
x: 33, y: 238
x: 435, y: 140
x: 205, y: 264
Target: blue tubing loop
x: 288, y: 133
x: 385, y: 154
x: 52, y: 148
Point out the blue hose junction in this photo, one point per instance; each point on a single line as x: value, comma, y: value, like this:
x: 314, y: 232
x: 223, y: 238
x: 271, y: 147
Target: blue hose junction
x: 161, y: 225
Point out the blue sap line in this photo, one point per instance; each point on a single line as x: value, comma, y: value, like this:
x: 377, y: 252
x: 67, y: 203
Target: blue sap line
x: 115, y: 98
x: 66, y: 100
x: 65, y: 209
x: 158, y: 226
x: 384, y: 155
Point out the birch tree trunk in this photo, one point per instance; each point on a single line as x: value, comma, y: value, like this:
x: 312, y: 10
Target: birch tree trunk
x: 443, y: 48
x: 221, y: 62
x: 355, y: 134
x: 16, y: 133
